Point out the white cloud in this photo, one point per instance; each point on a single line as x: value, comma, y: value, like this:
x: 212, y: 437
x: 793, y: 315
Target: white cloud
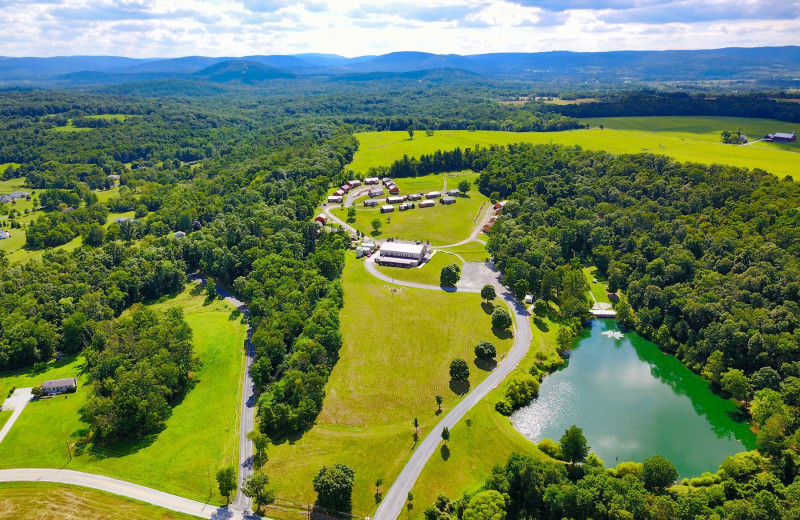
x: 146, y: 28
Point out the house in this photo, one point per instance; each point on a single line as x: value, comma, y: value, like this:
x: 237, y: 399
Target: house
x: 427, y: 203
x: 781, y: 137
x: 394, y: 200
x: 375, y: 192
x: 370, y: 203
x: 354, y: 183
x: 407, y: 205
x: 454, y: 192
x: 335, y: 199
x: 59, y: 386
x: 401, y: 254
x: 179, y: 234
x: 386, y: 180
x: 322, y: 219
x: 4, y: 234
x: 387, y: 209
x: 372, y: 180
x: 414, y: 196
x: 433, y: 194
x: 120, y: 220
x: 448, y: 200
x: 345, y: 188
x: 394, y: 190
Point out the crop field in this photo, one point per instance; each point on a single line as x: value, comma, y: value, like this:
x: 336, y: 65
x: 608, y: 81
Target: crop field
x: 693, y: 139
x: 427, y: 273
x: 481, y: 440
x: 48, y: 501
x: 394, y: 361
x: 183, y: 458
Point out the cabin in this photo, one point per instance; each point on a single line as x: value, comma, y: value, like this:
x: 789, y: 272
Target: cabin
x: 448, y: 200
x: 372, y: 180
x: 354, y: 183
x: 781, y: 137
x: 345, y: 188
x: 335, y: 199
x: 394, y: 190
x: 414, y: 196
x: 394, y: 200
x: 454, y: 193
x: 322, y: 219
x: 60, y: 386
x: 386, y: 180
x: 401, y: 254
x: 375, y: 192
x: 387, y: 209
x: 339, y: 193
x: 370, y: 203
x: 120, y: 220
x: 529, y: 299
x: 433, y: 194
x: 427, y: 203
x: 407, y: 205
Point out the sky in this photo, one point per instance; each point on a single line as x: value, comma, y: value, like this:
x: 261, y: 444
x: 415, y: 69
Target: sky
x: 170, y: 28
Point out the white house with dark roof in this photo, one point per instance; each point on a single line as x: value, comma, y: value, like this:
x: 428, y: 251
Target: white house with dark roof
x: 59, y: 386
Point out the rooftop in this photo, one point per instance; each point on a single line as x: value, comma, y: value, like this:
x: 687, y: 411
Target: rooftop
x: 403, y: 247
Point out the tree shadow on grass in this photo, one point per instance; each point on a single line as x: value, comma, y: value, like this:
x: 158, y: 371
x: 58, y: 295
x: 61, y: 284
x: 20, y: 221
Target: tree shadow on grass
x: 487, y: 307
x: 459, y: 387
x: 235, y: 315
x: 376, y: 233
x: 502, y: 333
x: 378, y: 497
x: 541, y: 325
x: 445, y: 451
x: 486, y: 365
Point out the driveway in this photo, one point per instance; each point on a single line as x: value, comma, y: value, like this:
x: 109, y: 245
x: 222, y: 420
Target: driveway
x: 17, y: 402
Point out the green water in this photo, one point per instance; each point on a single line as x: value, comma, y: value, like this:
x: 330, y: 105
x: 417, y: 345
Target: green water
x: 633, y: 402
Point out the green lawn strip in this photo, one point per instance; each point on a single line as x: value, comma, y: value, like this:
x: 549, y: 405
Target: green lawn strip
x: 5, y: 415
x: 427, y: 273
x: 394, y: 361
x: 118, y: 117
x: 106, y: 195
x: 470, y: 252
x: 9, y: 185
x: 487, y: 442
x: 69, y: 127
x: 26, y: 378
x: 598, y: 289
x: 200, y: 437
x: 696, y: 139
x: 38, y: 500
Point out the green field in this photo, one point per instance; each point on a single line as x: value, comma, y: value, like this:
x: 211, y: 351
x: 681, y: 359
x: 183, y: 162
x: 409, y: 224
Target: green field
x: 427, y: 273
x: 470, y: 252
x: 118, y: 117
x: 29, y: 377
x: 5, y: 415
x: 5, y: 166
x: 487, y: 442
x: 200, y: 437
x: 684, y: 138
x: 598, y: 289
x: 69, y: 127
x: 440, y: 224
x: 106, y: 195
x: 394, y: 361
x: 45, y: 500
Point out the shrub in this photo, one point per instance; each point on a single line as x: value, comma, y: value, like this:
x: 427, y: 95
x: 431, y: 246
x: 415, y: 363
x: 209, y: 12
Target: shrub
x: 504, y: 406
x: 501, y: 319
x: 459, y: 370
x: 628, y: 468
x: 450, y: 275
x: 550, y: 447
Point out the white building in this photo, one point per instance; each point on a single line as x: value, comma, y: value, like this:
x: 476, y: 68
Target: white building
x: 401, y: 254
x: 387, y: 209
x: 427, y: 204
x: 335, y: 199
x: 59, y: 386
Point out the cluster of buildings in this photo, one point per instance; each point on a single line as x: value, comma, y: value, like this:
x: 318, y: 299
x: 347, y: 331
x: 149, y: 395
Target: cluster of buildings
x: 14, y: 195
x: 498, y: 209
x: 781, y: 137
x: 338, y: 195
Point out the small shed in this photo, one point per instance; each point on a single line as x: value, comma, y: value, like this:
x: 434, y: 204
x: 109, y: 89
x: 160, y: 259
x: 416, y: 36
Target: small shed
x: 59, y: 386
x: 529, y: 299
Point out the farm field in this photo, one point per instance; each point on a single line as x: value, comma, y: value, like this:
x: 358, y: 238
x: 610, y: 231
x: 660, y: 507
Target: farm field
x: 428, y: 273
x: 684, y: 138
x: 487, y: 441
x: 48, y: 501
x: 394, y: 361
x: 183, y: 458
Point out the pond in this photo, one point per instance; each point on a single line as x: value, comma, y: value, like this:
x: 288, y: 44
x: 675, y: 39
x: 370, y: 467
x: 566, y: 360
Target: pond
x: 633, y: 402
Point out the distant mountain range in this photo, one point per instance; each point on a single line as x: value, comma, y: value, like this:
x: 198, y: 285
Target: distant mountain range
x: 760, y: 63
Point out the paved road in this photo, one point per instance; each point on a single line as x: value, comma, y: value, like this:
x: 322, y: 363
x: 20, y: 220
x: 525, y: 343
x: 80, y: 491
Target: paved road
x: 17, y: 402
x: 120, y: 487
x: 394, y: 501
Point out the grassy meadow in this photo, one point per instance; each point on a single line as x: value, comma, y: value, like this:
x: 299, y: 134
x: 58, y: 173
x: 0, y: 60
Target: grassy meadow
x: 427, y: 273
x: 48, y: 501
x: 394, y: 361
x: 598, y: 289
x: 470, y: 252
x: 200, y: 437
x: 693, y: 139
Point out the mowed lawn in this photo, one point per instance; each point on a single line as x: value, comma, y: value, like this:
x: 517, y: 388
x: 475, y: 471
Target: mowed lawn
x: 394, y: 361
x: 200, y: 437
x: 470, y: 252
x: 428, y: 273
x: 48, y: 501
x: 487, y: 441
x: 693, y: 139
x: 441, y: 224
x: 598, y: 289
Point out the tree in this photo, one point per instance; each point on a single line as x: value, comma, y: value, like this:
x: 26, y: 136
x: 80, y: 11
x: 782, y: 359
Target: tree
x: 737, y: 384
x: 573, y: 445
x: 376, y: 224
x: 540, y: 308
x: 410, y: 131
x: 766, y: 403
x: 485, y: 350
x: 463, y: 186
x: 564, y: 338
x: 501, y: 319
x: 459, y: 370
x: 450, y: 275
x: 658, y: 473
x: 255, y: 488
x: 445, y: 435
x: 95, y: 236
x: 625, y: 316
x: 334, y: 487
x: 715, y: 365
x: 226, y: 479
x: 378, y: 484
x: 439, y: 402
x: 211, y: 288
x: 260, y: 444
x: 488, y: 293
x: 416, y: 424
x: 486, y: 505
x: 351, y: 213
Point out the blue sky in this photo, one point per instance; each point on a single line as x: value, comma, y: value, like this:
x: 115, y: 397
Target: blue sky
x: 164, y: 28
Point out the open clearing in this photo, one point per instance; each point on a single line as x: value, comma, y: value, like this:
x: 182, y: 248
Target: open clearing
x: 693, y: 139
x: 487, y: 441
x: 46, y: 501
x: 597, y: 289
x: 470, y: 252
x: 428, y: 273
x: 394, y: 361
x: 200, y: 437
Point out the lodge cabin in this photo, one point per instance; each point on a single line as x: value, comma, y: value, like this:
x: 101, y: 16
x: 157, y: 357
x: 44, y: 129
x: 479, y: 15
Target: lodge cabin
x: 370, y: 203
x: 433, y: 195
x: 448, y: 200
x: 335, y: 199
x: 387, y: 208
x: 427, y: 203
